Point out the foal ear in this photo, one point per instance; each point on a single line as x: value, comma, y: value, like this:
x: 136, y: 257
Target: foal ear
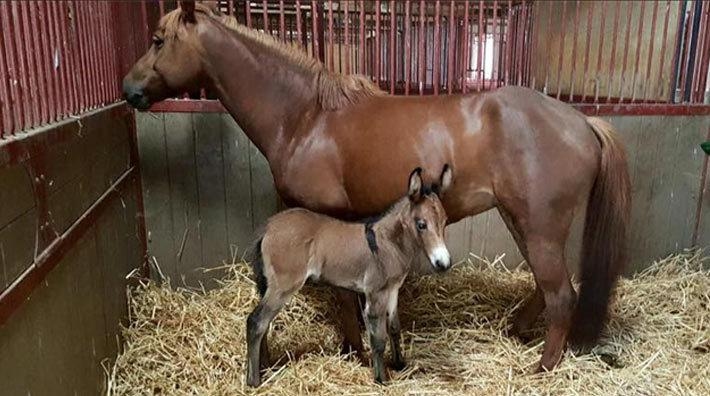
x: 188, y: 11
x: 447, y: 176
x: 415, y: 185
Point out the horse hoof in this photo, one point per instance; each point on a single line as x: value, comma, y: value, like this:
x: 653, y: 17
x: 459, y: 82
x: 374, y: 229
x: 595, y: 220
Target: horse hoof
x: 253, y: 382
x: 399, y: 365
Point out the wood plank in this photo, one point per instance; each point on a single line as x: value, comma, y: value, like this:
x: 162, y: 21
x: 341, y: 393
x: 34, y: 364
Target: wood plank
x: 156, y: 190
x: 211, y: 194
x: 16, y: 196
x: 237, y: 179
x: 17, y: 247
x: 184, y: 207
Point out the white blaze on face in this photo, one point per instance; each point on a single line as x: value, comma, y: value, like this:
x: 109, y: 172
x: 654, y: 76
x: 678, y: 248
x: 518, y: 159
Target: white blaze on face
x: 440, y: 258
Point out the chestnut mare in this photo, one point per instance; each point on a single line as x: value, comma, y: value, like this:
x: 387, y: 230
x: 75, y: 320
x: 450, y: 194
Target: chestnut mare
x: 338, y: 145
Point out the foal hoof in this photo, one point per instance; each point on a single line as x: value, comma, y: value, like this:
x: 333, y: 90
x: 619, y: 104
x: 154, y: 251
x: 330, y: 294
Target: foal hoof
x: 253, y: 382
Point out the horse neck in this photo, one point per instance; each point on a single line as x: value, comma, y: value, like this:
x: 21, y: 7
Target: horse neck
x: 391, y: 228
x: 264, y: 92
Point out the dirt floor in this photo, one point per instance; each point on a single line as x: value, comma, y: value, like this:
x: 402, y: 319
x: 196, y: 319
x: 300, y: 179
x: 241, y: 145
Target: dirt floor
x: 455, y: 342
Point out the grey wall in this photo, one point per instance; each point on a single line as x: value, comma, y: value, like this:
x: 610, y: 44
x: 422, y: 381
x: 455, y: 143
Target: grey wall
x: 54, y: 343
x: 206, y: 188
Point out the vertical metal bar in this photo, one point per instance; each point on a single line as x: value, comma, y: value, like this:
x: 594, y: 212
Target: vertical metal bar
x: 282, y: 20
x: 677, y: 45
x: 522, y: 15
x: 6, y: 116
x: 378, y: 67
x: 265, y: 16
x: 407, y: 46
x: 247, y: 12
x: 600, y: 52
x: 83, y: 50
x: 161, y: 6
x: 627, y: 38
x: 533, y: 47
x: 508, y: 44
x: 574, y: 50
x: 548, y: 47
x: 347, y: 36
x: 31, y: 52
x: 700, y: 72
x: 479, y: 58
x: 652, y: 41
x: 684, y: 57
x: 586, y: 51
x: 299, y: 23
x: 639, y: 43
x: 495, y: 73
x: 466, y: 48
x: 562, y: 49
x: 20, y: 54
x: 450, y: 47
x: 697, y: 13
x: 421, y: 48
x: 39, y: 61
x: 55, y: 47
x: 392, y: 11
x: 436, y: 56
x: 103, y: 10
x: 91, y: 23
x: 705, y: 60
x: 331, y: 65
x: 614, y: 38
x: 361, y: 48
x: 663, y: 48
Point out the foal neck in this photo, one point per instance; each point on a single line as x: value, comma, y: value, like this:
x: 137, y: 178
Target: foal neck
x: 390, y: 227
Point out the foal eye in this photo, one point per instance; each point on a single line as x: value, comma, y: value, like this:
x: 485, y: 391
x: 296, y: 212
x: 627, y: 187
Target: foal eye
x: 421, y: 225
x: 158, y: 42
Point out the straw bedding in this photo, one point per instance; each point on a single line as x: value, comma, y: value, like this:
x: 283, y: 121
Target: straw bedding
x: 454, y: 339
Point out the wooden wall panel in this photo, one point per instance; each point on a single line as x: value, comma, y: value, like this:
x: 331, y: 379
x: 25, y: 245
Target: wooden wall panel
x: 665, y: 165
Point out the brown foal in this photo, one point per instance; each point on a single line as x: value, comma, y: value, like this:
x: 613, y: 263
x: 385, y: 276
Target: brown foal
x: 372, y: 258
x: 338, y: 145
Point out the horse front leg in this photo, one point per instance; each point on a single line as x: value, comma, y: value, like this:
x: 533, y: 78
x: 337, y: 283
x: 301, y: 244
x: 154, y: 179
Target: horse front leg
x: 394, y: 330
x: 349, y: 310
x: 376, y: 313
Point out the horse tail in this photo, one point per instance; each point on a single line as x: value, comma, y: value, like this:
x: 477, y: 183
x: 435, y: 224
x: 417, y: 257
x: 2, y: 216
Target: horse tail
x: 257, y: 265
x: 605, y: 236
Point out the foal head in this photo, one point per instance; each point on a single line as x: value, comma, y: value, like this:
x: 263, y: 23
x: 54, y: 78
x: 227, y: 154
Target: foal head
x: 173, y: 63
x: 426, y: 218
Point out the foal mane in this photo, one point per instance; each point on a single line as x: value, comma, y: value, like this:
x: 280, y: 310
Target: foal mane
x: 335, y: 90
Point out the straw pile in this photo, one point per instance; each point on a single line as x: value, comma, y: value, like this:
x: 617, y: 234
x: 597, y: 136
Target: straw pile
x: 658, y: 340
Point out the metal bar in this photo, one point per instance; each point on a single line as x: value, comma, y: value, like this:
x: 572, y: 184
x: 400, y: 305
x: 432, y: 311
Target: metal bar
x: 684, y: 58
x: 86, y: 49
x: 392, y: 11
x: 639, y: 43
x: 479, y: 58
x: 331, y: 66
x: 6, y: 116
x: 614, y: 37
x: 520, y: 53
x: 466, y: 64
x: 704, y: 61
x: 535, y: 48
x: 586, y: 51
x: 106, y: 60
x: 265, y: 16
x: 421, y: 49
x: 80, y: 59
x: 697, y: 13
x: 299, y: 23
x: 627, y: 38
x: 562, y: 49
x: 450, y: 47
x: 574, y: 50
x: 20, y: 290
x: 378, y: 68
x: 600, y: 52
x: 230, y: 5
x: 677, y: 45
x: 700, y: 76
x: 361, y: 38
x: 663, y: 48
x: 21, y: 75
x: 55, y: 46
x: 40, y: 62
x: 282, y: 20
x: 650, y: 50
x: 247, y: 13
x: 347, y: 36
x: 31, y: 50
x: 436, y: 56
x: 407, y: 45
x: 340, y: 40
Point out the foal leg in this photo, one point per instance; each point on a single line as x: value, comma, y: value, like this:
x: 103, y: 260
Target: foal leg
x: 349, y: 308
x: 376, y: 312
x: 394, y: 331
x: 257, y: 326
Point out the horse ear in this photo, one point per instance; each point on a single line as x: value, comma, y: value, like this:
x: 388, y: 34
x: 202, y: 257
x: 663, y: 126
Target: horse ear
x: 188, y: 10
x: 415, y: 185
x: 447, y: 176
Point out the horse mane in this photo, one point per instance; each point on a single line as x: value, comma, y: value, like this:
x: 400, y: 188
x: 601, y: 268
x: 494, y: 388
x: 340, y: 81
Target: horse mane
x: 335, y: 90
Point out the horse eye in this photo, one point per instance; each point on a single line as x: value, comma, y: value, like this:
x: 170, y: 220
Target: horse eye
x: 158, y: 42
x: 421, y: 225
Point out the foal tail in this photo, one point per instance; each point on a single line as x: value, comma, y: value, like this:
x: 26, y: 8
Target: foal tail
x: 257, y: 265
x: 604, y: 241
